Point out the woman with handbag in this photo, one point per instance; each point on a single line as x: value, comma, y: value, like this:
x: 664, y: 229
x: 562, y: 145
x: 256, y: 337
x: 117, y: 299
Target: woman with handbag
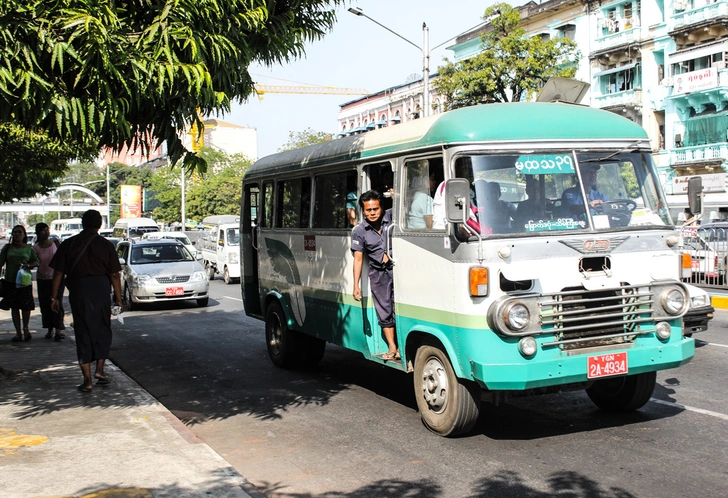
x: 17, y: 255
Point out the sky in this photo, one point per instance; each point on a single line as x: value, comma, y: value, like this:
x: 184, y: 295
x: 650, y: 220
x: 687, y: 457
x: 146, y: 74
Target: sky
x: 356, y: 54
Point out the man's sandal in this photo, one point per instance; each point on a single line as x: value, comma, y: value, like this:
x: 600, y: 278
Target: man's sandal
x: 18, y: 338
x: 389, y: 356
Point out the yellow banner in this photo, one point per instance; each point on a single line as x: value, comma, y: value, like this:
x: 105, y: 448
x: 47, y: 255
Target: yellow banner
x: 131, y: 201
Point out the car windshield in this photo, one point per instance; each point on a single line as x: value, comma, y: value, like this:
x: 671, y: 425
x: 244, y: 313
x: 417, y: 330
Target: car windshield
x: 233, y: 236
x: 562, y: 191
x: 184, y: 239
x: 162, y: 253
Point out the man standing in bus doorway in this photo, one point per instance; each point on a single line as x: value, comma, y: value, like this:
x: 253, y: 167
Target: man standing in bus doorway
x: 370, y: 237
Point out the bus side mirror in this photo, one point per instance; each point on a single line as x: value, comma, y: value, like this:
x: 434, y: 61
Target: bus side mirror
x: 457, y: 200
x: 695, y: 190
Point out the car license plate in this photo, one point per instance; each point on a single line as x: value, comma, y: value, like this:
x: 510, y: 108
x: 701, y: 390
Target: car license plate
x: 607, y: 364
x: 174, y: 291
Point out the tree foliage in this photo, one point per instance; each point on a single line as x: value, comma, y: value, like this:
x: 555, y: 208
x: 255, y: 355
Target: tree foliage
x: 511, y: 66
x: 137, y: 72
x: 298, y: 139
x: 31, y: 162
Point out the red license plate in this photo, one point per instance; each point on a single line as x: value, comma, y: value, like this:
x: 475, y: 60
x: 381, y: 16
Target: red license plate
x: 606, y: 364
x: 174, y: 291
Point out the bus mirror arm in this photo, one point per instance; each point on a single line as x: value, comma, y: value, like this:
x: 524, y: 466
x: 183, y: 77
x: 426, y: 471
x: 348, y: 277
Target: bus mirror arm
x: 472, y: 231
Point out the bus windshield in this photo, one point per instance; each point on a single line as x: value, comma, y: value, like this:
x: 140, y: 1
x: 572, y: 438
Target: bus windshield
x: 555, y: 191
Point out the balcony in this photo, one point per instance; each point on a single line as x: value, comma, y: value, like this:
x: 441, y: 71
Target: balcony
x: 618, y: 39
x: 708, y: 152
x: 627, y: 98
x: 700, y: 14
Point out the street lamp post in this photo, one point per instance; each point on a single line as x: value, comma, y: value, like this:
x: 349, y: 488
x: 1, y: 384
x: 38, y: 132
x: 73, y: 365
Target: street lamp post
x: 425, y: 56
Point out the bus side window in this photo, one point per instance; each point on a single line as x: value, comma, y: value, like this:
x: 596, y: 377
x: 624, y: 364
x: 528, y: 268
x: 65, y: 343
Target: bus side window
x: 266, y: 220
x: 335, y: 198
x: 422, y: 179
x: 293, y: 203
x: 381, y: 179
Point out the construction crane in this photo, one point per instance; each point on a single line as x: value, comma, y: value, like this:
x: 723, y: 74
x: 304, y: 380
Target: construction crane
x: 307, y: 89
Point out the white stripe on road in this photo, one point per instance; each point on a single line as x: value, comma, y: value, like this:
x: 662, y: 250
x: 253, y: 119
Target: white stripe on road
x: 233, y: 298
x: 691, y: 408
x: 714, y: 344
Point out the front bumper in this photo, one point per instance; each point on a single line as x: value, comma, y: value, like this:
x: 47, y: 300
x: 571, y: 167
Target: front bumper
x: 696, y: 319
x: 157, y: 292
x: 561, y: 369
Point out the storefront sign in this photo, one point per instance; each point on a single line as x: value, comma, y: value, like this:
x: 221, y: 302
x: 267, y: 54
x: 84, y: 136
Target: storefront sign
x: 695, y: 81
x: 711, y: 183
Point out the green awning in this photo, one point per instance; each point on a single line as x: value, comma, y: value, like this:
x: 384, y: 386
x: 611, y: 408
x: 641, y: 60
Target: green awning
x: 706, y: 129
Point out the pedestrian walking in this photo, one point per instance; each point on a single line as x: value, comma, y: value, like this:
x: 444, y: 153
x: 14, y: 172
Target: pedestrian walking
x: 46, y: 248
x: 17, y: 255
x: 91, y: 266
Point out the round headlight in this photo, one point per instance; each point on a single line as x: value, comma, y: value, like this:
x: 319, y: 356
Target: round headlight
x: 527, y: 345
x: 663, y: 330
x: 673, y: 301
x: 517, y: 316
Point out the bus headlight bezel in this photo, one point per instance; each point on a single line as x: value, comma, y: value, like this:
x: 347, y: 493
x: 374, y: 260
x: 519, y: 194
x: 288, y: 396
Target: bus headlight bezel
x: 674, y: 301
x: 516, y: 316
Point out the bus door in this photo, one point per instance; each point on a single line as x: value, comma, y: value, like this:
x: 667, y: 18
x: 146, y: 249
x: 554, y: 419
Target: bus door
x: 420, y: 250
x: 249, y: 229
x: 379, y: 177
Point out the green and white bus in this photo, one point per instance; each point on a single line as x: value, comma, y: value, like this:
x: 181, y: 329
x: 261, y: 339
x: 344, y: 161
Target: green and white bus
x: 563, y: 294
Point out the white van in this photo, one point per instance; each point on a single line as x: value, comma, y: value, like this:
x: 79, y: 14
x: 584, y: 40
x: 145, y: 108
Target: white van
x: 134, y: 228
x: 221, y: 247
x: 180, y: 236
x: 66, y: 228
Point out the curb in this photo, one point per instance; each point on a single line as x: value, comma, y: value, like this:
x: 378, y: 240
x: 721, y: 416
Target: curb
x: 719, y: 302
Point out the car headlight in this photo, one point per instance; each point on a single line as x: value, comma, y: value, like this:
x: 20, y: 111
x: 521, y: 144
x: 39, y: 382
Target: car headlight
x: 198, y: 276
x: 141, y: 279
x: 698, y: 301
x: 233, y: 257
x: 516, y: 316
x: 673, y: 301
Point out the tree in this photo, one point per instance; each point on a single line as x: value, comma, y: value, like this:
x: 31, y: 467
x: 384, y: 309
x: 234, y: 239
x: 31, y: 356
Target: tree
x: 511, y: 66
x: 137, y: 72
x: 30, y: 161
x: 299, y: 139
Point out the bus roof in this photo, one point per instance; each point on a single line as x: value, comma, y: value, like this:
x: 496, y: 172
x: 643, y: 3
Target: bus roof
x: 529, y: 121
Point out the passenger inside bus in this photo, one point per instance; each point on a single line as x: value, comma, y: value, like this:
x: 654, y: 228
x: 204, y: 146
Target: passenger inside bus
x: 572, y: 201
x: 530, y: 209
x: 492, y: 211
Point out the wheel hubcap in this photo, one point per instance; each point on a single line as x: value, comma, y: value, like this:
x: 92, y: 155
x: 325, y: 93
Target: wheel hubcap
x: 434, y: 384
x: 276, y: 335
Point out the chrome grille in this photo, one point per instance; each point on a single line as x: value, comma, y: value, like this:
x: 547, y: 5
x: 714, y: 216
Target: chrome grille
x: 173, y: 280
x: 575, y: 314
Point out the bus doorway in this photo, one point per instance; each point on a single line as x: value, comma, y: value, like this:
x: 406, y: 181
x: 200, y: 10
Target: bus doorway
x: 249, y: 250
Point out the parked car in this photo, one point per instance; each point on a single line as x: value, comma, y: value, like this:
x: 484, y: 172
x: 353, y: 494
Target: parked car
x: 706, y: 263
x: 700, y: 312
x: 160, y: 270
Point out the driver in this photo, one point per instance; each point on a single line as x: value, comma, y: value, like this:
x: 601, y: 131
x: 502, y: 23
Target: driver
x: 572, y: 201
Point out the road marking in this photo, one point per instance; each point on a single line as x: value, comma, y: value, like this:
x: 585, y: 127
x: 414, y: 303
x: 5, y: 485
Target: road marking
x: 712, y: 343
x: 233, y: 298
x: 691, y: 408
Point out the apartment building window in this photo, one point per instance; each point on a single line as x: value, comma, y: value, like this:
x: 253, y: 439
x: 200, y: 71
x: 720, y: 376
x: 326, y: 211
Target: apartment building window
x: 621, y: 17
x: 696, y: 64
x: 620, y: 79
x: 566, y: 31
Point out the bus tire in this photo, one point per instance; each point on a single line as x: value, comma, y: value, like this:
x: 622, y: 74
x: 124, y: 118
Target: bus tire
x: 623, y: 394
x: 226, y: 276
x: 210, y: 272
x: 280, y: 340
x: 448, y: 406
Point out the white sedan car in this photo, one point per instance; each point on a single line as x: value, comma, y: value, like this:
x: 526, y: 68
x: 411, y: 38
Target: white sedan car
x: 160, y: 270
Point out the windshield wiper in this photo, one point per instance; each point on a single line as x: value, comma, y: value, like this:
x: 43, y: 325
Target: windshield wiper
x: 630, y: 148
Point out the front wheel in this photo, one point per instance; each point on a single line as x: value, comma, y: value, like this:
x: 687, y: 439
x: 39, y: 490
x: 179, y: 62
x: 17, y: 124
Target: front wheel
x: 203, y: 302
x: 623, y: 394
x: 226, y: 276
x: 448, y: 406
x: 129, y: 305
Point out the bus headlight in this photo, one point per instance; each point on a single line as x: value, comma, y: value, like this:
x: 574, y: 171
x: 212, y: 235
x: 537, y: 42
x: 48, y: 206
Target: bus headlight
x: 516, y: 316
x: 663, y: 330
x: 673, y: 301
x: 527, y: 345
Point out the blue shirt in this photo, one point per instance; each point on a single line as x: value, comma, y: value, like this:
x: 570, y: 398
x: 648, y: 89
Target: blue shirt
x: 572, y: 197
x: 366, y: 239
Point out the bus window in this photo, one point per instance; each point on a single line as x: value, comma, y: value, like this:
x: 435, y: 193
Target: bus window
x: 267, y: 218
x: 422, y: 178
x: 335, y: 195
x: 381, y: 179
x: 293, y: 203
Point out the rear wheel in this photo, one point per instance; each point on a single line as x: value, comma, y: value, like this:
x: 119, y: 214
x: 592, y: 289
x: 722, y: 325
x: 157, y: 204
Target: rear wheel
x: 226, y: 276
x: 623, y: 394
x: 280, y: 340
x: 448, y: 406
x: 210, y: 272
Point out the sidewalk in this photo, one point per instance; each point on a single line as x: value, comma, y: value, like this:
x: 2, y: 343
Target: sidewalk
x: 117, y: 441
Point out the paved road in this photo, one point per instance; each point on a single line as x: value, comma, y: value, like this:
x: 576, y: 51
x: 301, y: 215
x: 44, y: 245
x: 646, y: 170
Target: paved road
x: 350, y: 428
